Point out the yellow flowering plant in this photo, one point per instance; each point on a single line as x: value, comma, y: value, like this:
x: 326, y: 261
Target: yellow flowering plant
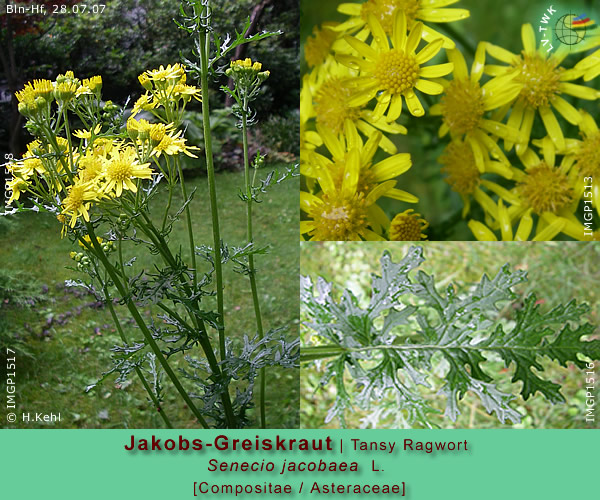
x: 510, y: 130
x: 100, y: 181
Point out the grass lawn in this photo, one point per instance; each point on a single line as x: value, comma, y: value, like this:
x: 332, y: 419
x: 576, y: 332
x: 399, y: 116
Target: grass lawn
x: 69, y: 334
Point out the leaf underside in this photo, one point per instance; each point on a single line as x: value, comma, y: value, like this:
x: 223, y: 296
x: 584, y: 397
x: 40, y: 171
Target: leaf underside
x: 428, y: 328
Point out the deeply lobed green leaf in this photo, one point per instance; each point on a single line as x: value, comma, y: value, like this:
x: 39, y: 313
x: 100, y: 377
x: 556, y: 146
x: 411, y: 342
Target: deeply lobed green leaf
x: 423, y: 328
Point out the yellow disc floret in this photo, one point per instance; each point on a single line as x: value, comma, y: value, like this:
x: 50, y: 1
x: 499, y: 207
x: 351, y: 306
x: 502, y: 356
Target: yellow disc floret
x: 545, y: 189
x: 121, y: 169
x: 339, y: 219
x: 540, y: 78
x: 459, y: 164
x: 408, y: 226
x: 587, y: 157
x: 396, y: 71
x: 462, y: 106
x: 331, y: 105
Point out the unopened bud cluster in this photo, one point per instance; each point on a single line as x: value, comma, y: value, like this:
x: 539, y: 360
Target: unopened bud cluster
x: 246, y: 74
x: 83, y: 260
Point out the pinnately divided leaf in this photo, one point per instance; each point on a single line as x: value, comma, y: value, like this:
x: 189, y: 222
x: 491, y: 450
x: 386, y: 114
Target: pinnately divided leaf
x: 390, y: 347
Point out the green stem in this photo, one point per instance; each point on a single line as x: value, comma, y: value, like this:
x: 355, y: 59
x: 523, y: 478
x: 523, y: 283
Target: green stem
x: 203, y: 339
x: 138, y: 370
x: 142, y: 325
x: 68, y: 133
x: 168, y: 208
x: 126, y: 342
x: 252, y: 274
x: 329, y: 351
x: 188, y: 218
x: 165, y: 252
x: 204, y: 42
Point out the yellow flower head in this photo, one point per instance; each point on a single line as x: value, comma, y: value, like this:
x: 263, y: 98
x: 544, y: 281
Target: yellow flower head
x: 77, y: 202
x: 326, y: 96
x: 26, y: 95
x: 94, y: 84
x: 121, y: 169
x: 545, y: 195
x: 66, y: 90
x: 172, y: 73
x: 186, y: 92
x: 352, y: 165
x: 545, y: 188
x: 408, y: 226
x: 463, y: 107
x: 350, y: 184
x: 169, y: 144
x: 138, y: 128
x: 39, y: 88
x: 87, y: 134
x: 35, y: 97
x: 146, y: 102
x: 145, y: 81
x: 103, y: 147
x: 334, y: 217
x: 63, y: 146
x: 459, y: 163
x: 391, y: 73
x: 465, y: 174
x: 318, y: 46
x: 585, y: 152
x: 90, y: 167
x: 429, y: 11
x: 16, y: 186
x: 31, y: 162
x: 533, y: 84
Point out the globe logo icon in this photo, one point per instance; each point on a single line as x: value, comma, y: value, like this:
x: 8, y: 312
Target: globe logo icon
x: 566, y: 33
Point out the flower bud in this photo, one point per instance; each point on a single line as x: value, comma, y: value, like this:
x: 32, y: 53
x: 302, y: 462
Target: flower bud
x: 145, y: 81
x: 263, y: 75
x: 23, y: 109
x: 132, y: 130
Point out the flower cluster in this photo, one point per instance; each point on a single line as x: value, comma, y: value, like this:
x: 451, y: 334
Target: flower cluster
x: 165, y: 88
x: 388, y: 58
x: 247, y: 77
x: 70, y: 173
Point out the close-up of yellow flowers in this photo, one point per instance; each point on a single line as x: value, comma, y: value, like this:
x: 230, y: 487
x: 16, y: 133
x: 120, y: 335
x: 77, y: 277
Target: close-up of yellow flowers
x: 498, y: 134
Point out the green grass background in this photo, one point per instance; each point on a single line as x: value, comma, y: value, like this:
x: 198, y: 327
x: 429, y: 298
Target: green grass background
x: 64, y: 359
x: 557, y: 273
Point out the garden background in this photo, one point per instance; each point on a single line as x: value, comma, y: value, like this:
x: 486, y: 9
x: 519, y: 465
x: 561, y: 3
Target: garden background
x: 62, y: 335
